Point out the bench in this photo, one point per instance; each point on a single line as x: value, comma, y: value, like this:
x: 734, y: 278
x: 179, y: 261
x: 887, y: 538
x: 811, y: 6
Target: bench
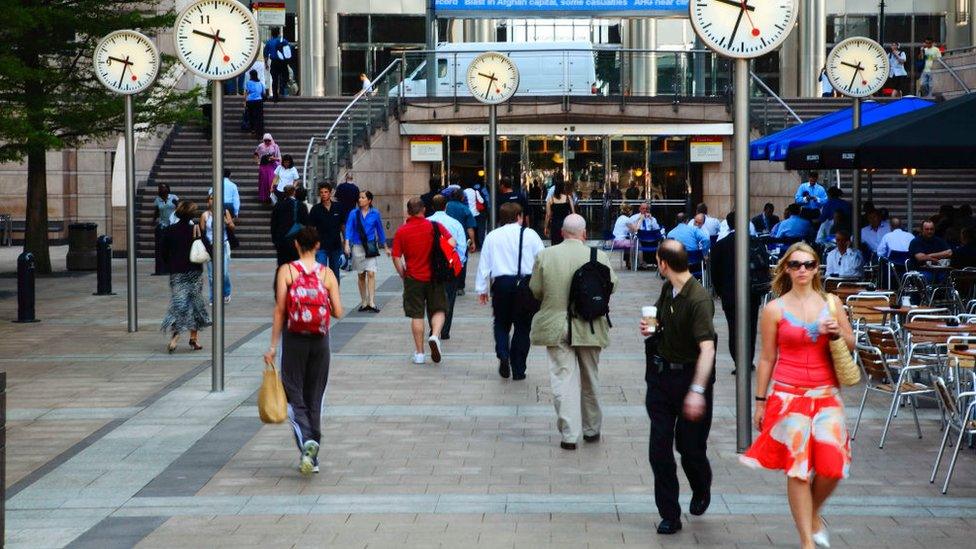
x: 8, y: 227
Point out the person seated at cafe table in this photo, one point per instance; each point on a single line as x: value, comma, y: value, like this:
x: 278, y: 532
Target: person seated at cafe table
x: 965, y: 255
x: 794, y: 226
x: 844, y: 261
x: 928, y: 248
x: 898, y: 240
x: 874, y: 231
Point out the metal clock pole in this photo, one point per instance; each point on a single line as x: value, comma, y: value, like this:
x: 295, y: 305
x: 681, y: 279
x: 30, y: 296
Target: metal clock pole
x: 492, y: 153
x: 217, y: 140
x: 856, y: 184
x: 743, y: 379
x: 130, y: 218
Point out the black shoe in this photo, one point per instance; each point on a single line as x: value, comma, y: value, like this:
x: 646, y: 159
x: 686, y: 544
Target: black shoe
x: 503, y: 369
x: 567, y: 445
x: 592, y: 438
x: 518, y: 377
x: 668, y: 527
x: 445, y: 337
x: 699, y: 505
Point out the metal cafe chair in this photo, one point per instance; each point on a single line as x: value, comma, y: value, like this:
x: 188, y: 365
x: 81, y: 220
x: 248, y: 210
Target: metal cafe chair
x: 888, y: 377
x: 960, y: 413
x: 913, y: 283
x: 862, y: 309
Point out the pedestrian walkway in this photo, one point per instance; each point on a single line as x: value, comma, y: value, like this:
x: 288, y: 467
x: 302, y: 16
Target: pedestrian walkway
x: 113, y: 443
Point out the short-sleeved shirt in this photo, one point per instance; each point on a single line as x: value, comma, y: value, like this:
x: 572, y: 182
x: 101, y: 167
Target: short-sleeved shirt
x: 286, y: 176
x: 255, y: 90
x: 513, y: 196
x: 927, y: 246
x: 329, y: 224
x: 685, y: 321
x: 414, y: 241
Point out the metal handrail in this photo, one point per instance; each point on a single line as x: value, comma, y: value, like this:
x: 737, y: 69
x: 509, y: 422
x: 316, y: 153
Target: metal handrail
x: 560, y: 50
x: 355, y: 100
x: 775, y: 96
x: 954, y: 75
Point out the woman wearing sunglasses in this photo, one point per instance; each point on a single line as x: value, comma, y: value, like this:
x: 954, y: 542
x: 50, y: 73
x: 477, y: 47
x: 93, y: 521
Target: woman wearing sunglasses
x: 800, y: 415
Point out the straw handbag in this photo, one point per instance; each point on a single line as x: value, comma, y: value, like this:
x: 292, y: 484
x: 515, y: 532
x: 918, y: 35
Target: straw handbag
x: 272, y: 406
x: 847, y: 371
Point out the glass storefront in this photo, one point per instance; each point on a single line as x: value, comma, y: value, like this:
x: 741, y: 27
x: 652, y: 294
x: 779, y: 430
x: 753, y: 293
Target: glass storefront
x: 601, y: 172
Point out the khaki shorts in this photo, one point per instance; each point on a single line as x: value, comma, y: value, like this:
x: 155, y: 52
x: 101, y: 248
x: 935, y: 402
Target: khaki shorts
x: 361, y: 263
x: 423, y: 297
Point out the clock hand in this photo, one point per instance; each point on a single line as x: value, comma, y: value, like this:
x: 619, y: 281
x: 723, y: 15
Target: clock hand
x: 492, y: 77
x: 735, y: 29
x: 210, y: 59
x: 488, y: 90
x: 853, y: 78
x: 736, y: 4
x: 123, y: 61
x: 217, y: 40
x: 210, y: 36
x: 125, y: 67
x: 745, y: 7
x: 856, y: 67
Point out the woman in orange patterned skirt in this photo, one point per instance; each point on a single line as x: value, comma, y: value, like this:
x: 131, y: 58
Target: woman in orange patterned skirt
x: 801, y: 417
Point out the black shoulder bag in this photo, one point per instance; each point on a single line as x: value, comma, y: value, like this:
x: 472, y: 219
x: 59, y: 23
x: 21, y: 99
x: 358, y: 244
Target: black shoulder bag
x: 525, y: 301
x: 369, y: 244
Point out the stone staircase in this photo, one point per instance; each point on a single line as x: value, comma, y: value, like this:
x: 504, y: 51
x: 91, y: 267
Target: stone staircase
x: 184, y: 164
x: 931, y: 189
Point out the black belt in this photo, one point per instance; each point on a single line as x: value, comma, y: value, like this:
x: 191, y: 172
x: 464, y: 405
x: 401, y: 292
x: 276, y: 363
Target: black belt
x: 662, y: 365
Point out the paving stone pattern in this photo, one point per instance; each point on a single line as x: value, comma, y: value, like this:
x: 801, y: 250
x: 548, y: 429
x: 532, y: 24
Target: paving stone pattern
x: 114, y: 443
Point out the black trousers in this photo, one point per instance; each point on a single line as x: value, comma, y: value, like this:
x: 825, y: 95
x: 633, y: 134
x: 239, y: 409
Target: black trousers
x: 279, y: 79
x: 450, y: 288
x: 160, y: 265
x: 255, y: 116
x: 510, y: 344
x: 304, y: 375
x: 669, y: 430
x: 728, y: 307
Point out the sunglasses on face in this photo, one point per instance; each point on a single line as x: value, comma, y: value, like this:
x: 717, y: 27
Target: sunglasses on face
x: 795, y: 265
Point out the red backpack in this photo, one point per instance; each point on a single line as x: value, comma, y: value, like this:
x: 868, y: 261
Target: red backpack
x: 308, y: 302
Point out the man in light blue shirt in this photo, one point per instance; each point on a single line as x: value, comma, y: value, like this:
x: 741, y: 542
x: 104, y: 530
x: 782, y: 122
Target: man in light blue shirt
x: 690, y: 236
x: 811, y: 195
x: 439, y: 203
x: 795, y: 226
x: 232, y: 197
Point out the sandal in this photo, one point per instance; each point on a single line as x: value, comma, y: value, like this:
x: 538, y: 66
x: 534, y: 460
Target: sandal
x: 194, y: 345
x: 172, y: 344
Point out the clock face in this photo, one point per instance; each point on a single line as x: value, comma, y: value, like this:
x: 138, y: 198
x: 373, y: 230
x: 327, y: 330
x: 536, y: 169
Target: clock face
x: 857, y: 67
x: 126, y: 62
x: 492, y: 78
x: 216, y: 39
x: 743, y: 29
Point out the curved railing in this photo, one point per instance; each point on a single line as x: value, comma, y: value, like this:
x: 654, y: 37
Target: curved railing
x: 362, y: 110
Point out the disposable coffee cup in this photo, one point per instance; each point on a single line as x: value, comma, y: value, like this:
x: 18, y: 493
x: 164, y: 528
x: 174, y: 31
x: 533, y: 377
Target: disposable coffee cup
x: 649, y: 314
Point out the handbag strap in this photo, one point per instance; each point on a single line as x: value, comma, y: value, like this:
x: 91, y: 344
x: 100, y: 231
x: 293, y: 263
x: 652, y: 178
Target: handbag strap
x: 362, y: 227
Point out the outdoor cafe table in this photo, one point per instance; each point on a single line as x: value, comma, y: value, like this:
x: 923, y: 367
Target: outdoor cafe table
x: 962, y: 328
x: 896, y: 312
x: 845, y: 292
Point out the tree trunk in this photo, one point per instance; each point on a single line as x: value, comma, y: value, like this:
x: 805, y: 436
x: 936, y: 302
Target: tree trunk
x: 35, y: 235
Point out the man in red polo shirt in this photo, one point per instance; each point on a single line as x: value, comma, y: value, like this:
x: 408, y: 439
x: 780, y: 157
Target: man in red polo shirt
x: 412, y: 246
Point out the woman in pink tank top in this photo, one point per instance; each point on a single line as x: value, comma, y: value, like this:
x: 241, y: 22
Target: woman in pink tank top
x: 801, y: 416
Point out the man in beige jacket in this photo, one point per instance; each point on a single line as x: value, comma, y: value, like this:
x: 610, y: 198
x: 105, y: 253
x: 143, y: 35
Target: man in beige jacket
x: 573, y: 364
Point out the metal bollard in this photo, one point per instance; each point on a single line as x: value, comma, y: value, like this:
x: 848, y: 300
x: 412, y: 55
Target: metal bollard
x: 103, y: 263
x: 26, y: 270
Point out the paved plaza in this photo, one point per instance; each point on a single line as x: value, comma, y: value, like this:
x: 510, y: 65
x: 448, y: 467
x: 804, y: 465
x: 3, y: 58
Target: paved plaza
x: 111, y: 442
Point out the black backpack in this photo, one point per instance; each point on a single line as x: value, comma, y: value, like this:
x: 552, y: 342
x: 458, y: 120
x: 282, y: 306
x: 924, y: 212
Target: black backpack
x: 589, y: 292
x: 440, y: 267
x: 758, y: 266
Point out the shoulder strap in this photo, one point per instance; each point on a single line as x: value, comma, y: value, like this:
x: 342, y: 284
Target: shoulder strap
x: 518, y: 267
x: 593, y: 255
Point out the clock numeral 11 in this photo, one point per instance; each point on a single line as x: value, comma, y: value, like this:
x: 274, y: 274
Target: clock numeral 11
x: 204, y: 19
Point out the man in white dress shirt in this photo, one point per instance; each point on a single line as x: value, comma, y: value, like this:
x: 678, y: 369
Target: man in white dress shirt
x: 453, y: 226
x: 499, y: 267
x: 897, y: 240
x: 844, y: 261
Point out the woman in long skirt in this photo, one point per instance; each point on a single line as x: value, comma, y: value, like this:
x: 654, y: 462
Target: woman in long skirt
x: 187, y: 310
x: 268, y: 156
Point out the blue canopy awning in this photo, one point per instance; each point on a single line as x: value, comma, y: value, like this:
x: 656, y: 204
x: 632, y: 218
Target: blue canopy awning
x: 779, y: 149
x: 762, y: 147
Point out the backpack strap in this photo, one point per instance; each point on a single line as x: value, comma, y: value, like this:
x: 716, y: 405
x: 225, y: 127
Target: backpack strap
x: 593, y: 255
x: 518, y: 268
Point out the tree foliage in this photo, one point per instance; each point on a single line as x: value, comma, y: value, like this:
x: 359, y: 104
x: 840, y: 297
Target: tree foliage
x: 51, y: 100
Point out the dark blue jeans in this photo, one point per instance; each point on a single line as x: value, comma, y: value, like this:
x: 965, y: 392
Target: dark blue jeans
x: 515, y: 348
x: 329, y: 258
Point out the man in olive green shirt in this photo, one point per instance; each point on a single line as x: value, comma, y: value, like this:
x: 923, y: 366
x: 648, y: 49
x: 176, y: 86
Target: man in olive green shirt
x: 573, y: 363
x: 680, y: 374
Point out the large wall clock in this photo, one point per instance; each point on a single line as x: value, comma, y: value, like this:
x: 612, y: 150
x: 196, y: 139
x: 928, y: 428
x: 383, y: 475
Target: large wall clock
x: 743, y: 29
x: 216, y: 39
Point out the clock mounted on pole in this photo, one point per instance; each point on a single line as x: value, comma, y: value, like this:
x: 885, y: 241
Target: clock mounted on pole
x: 127, y: 62
x: 217, y: 40
x: 742, y: 30
x: 492, y: 78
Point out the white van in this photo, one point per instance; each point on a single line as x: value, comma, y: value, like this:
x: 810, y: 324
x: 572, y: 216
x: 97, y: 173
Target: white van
x: 545, y: 68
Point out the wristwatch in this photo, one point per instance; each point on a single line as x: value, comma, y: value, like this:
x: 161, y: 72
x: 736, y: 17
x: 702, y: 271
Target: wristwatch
x: 695, y: 388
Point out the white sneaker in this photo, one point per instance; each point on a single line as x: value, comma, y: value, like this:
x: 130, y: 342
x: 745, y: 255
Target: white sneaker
x: 821, y: 538
x: 435, y: 348
x: 309, y: 453
x: 418, y: 358
x: 227, y: 299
